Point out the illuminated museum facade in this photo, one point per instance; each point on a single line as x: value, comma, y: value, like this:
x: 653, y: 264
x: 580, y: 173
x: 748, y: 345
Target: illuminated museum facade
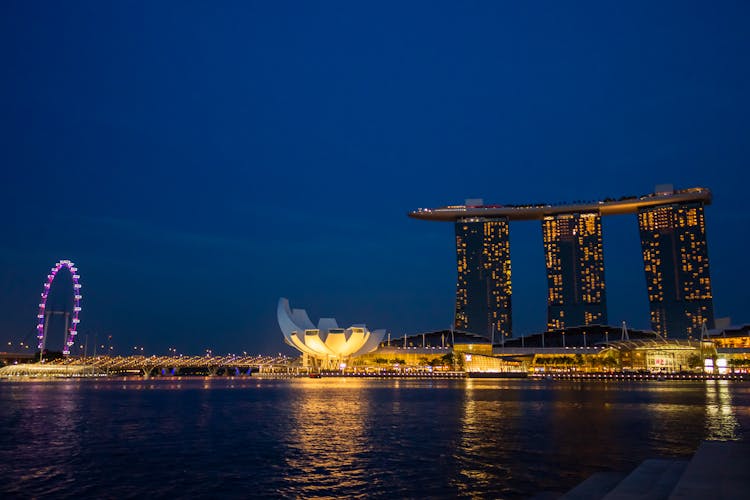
x: 324, y: 345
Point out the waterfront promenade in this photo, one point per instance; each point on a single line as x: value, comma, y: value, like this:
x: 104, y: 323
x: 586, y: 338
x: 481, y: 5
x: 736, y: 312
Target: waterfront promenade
x: 717, y: 470
x: 286, y: 367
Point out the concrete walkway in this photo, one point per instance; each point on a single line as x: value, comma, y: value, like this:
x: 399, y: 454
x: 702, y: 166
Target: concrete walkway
x: 719, y: 470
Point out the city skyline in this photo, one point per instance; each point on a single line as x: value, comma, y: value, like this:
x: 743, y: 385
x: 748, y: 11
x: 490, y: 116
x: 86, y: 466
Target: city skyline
x: 199, y: 163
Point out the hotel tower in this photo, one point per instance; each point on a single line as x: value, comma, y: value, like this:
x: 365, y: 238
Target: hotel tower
x: 483, y: 286
x: 575, y: 270
x: 675, y: 259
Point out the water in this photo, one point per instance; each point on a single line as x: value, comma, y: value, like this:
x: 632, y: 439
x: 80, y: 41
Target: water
x: 346, y: 437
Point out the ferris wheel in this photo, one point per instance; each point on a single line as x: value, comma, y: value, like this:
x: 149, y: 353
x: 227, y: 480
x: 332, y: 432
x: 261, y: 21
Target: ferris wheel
x: 43, y: 317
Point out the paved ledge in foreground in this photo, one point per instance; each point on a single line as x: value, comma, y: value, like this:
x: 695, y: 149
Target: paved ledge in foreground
x: 718, y: 470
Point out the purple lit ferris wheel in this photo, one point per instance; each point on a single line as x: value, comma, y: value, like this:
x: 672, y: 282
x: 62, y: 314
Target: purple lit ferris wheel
x: 41, y: 330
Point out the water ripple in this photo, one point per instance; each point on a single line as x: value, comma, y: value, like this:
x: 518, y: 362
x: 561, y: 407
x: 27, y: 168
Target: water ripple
x: 349, y: 438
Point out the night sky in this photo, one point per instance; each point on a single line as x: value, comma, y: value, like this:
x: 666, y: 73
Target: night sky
x: 198, y: 160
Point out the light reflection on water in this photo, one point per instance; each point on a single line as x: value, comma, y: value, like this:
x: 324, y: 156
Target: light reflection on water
x: 346, y: 437
x: 721, y: 422
x: 326, y: 438
x: 63, y: 418
x: 477, y: 471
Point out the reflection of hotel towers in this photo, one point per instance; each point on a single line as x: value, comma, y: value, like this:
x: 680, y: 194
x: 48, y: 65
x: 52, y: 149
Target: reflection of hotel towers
x: 483, y: 288
x: 575, y: 270
x: 675, y: 257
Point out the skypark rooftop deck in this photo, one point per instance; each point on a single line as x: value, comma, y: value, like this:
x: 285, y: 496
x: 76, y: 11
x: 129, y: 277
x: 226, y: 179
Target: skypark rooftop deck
x: 624, y: 205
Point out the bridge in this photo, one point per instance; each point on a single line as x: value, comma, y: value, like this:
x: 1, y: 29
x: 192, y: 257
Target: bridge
x: 148, y: 366
x: 24, y: 365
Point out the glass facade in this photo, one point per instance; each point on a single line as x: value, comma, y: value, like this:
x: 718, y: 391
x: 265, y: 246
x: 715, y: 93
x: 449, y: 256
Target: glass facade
x: 483, y: 288
x: 675, y: 260
x: 574, y: 258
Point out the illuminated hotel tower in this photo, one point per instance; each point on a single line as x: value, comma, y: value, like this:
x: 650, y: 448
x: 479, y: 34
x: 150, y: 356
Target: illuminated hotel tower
x: 483, y: 288
x: 675, y: 259
x: 575, y: 270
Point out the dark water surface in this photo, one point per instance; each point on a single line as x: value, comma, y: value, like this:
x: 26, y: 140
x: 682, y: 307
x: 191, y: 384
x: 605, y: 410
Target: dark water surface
x: 346, y: 437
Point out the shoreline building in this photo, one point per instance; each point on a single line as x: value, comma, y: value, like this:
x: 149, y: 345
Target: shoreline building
x: 673, y: 239
x: 483, y: 287
x: 675, y: 260
x: 325, y: 346
x: 573, y: 252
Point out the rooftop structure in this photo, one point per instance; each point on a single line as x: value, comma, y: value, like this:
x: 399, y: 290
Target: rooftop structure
x: 538, y: 211
x: 580, y: 336
x: 440, y: 338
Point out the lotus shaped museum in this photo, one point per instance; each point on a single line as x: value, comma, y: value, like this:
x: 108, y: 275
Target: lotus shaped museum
x: 326, y: 343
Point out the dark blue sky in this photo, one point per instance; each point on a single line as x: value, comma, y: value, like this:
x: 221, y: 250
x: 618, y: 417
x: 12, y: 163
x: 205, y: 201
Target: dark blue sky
x: 198, y: 160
